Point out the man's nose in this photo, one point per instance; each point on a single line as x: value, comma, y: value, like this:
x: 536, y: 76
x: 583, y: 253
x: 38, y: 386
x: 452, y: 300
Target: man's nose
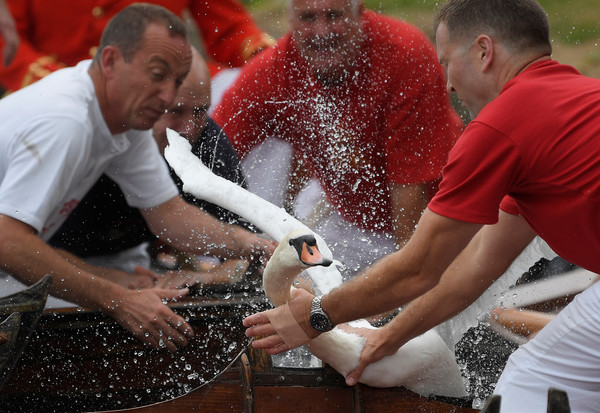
x: 449, y: 87
x: 168, y: 92
x: 321, y: 27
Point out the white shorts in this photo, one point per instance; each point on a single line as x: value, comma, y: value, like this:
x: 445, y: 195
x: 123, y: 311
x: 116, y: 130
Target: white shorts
x: 564, y: 355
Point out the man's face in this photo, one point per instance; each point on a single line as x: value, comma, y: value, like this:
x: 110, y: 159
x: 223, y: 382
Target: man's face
x: 328, y: 35
x: 146, y: 86
x: 188, y: 113
x: 463, y: 71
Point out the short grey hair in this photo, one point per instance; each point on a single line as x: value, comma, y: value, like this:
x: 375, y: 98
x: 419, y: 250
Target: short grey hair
x: 522, y: 25
x: 126, y: 29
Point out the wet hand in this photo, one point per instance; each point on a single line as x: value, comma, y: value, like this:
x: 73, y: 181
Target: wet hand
x: 376, y: 347
x: 257, y: 247
x: 142, y: 278
x: 259, y: 325
x: 145, y: 314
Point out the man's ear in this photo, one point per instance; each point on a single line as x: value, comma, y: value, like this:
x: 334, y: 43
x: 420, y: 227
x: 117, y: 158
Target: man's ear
x: 485, y: 49
x: 108, y: 60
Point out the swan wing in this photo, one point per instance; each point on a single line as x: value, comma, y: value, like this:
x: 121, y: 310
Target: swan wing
x: 455, y: 328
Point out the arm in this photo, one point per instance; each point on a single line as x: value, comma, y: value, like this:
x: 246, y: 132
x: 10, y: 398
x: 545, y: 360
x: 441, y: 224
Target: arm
x: 142, y: 312
x: 484, y: 260
x: 395, y: 280
x: 408, y: 203
x: 30, y: 63
x: 188, y: 228
x: 140, y: 279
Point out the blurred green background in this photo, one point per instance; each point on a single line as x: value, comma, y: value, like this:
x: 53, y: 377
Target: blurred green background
x: 575, y: 24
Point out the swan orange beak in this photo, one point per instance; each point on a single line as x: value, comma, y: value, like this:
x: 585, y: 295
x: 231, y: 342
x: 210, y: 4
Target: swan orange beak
x: 310, y: 255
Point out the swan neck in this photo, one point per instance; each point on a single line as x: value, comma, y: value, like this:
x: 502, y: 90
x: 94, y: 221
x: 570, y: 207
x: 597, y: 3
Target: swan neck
x: 277, y: 282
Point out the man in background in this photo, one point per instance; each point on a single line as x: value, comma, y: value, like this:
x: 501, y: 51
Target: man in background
x: 361, y: 99
x: 105, y: 231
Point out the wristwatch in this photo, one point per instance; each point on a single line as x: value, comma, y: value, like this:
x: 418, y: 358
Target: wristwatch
x: 319, y: 320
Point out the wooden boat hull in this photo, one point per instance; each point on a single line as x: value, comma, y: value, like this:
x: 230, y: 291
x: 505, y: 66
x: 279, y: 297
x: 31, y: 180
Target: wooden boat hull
x: 80, y: 361
x: 243, y: 388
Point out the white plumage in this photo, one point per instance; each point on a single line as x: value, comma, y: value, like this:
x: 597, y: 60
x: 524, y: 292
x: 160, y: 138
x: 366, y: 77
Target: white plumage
x: 424, y: 365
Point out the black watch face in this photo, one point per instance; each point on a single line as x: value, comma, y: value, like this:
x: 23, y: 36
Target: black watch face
x: 319, y: 322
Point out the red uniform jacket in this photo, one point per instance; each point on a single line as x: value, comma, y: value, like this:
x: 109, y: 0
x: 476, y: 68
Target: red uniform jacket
x: 63, y: 32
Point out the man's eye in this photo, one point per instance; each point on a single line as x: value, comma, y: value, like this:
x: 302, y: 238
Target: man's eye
x: 308, y: 18
x: 334, y: 15
x: 158, y: 75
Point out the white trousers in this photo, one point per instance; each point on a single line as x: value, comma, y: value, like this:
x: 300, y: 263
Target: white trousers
x: 564, y: 355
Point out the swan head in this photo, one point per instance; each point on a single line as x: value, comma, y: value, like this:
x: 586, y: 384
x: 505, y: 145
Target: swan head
x: 297, y: 251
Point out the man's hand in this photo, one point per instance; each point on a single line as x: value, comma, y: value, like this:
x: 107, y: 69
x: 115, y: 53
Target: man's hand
x: 376, y: 347
x: 259, y: 325
x: 145, y: 314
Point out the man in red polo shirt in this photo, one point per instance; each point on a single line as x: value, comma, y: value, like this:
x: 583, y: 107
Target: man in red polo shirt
x: 360, y: 97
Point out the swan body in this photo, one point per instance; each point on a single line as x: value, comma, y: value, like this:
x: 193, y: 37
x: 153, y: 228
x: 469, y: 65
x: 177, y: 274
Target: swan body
x: 424, y: 365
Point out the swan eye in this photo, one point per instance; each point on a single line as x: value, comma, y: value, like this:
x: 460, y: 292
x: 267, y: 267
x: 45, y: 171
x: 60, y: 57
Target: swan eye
x: 309, y: 249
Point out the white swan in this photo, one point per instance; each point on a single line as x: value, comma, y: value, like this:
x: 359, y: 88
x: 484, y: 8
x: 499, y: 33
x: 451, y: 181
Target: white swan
x: 201, y: 182
x: 424, y: 365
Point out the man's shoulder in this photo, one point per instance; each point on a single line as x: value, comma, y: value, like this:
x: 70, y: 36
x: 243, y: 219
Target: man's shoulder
x: 67, y: 92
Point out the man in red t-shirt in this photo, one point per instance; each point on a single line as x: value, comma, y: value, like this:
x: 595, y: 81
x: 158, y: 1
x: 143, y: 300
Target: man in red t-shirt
x: 361, y: 99
x: 526, y: 165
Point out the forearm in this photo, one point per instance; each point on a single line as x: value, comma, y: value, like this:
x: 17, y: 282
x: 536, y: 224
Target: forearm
x: 27, y: 257
x: 133, y: 280
x: 380, y: 280
x: 408, y: 204
x: 29, y: 261
x: 208, y: 236
x: 457, y: 289
x: 399, y: 278
x: 189, y: 229
x: 484, y: 260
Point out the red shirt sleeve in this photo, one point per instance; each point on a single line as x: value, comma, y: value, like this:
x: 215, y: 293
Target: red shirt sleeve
x: 29, y: 63
x: 242, y: 112
x: 509, y: 205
